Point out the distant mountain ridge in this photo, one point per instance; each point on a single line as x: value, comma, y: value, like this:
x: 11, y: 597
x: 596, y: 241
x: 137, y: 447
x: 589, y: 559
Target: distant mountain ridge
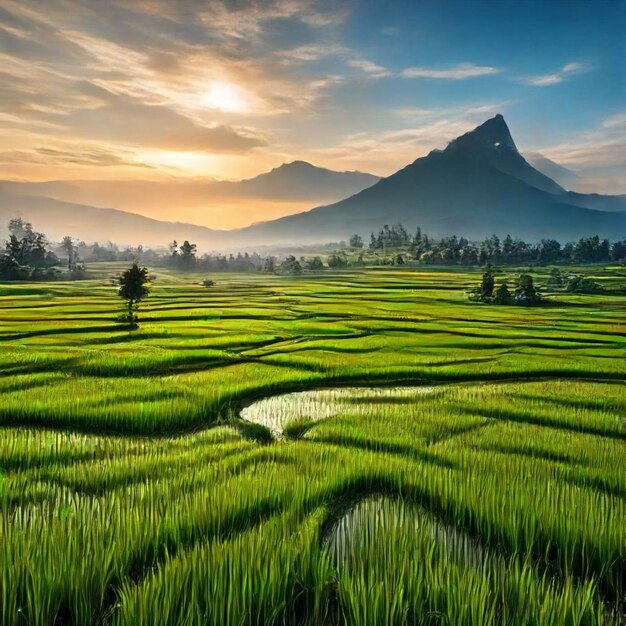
x: 295, y: 182
x: 56, y: 219
x: 479, y: 185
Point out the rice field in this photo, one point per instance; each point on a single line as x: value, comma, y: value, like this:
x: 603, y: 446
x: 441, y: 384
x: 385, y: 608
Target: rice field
x: 360, y: 447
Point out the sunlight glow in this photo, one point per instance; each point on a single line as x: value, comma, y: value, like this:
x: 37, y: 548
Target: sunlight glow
x: 181, y: 163
x: 225, y: 97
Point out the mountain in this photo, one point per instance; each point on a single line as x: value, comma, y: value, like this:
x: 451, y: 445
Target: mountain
x: 597, y: 201
x: 287, y: 189
x: 299, y: 180
x: 56, y: 219
x: 479, y: 185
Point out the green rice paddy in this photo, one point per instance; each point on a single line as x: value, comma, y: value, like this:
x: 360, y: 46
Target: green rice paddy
x: 447, y: 462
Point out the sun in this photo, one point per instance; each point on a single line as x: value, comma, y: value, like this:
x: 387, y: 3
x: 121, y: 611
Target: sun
x: 225, y: 97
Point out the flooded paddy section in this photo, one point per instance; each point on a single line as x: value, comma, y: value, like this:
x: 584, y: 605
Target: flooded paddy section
x: 369, y: 521
x: 278, y: 412
x: 396, y: 562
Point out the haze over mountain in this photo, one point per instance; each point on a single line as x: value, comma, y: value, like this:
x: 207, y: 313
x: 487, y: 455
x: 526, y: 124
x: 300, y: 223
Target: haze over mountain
x: 564, y: 176
x: 287, y: 189
x: 56, y: 219
x: 480, y: 184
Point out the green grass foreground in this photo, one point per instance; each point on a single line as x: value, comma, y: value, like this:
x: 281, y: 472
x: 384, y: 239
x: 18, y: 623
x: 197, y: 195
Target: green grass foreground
x: 128, y: 498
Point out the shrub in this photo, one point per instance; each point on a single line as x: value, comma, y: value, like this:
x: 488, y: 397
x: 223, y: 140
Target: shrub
x: 582, y: 284
x: 337, y: 261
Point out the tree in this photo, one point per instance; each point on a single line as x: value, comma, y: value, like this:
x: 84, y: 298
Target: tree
x: 187, y: 256
x: 269, y: 265
x: 10, y: 269
x: 507, y: 248
x: 549, y: 250
x: 494, y: 246
x: 337, y: 260
x: 15, y: 249
x: 356, y: 241
x: 314, y: 263
x: 526, y: 293
x: 21, y: 229
x: 487, y: 284
x: 70, y: 249
x: 38, y: 253
x: 484, y: 291
x: 618, y: 251
x: 133, y: 288
x: 503, y: 295
x: 291, y: 265
x: 418, y: 236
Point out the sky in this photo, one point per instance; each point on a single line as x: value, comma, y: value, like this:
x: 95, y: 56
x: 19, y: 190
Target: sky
x: 162, y: 89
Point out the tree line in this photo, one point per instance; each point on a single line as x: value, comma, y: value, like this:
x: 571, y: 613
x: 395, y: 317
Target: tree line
x: 457, y: 250
x: 28, y: 255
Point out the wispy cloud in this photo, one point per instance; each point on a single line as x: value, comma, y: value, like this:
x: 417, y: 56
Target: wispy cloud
x: 373, y: 70
x: 568, y: 70
x: 311, y: 52
x: 315, y: 52
x: 86, y: 156
x: 462, y: 71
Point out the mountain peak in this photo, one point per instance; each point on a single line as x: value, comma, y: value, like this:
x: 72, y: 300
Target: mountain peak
x: 494, y: 133
x: 298, y: 164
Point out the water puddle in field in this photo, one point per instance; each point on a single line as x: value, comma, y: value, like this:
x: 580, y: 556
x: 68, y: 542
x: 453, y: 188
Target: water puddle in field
x: 365, y: 526
x: 278, y: 412
x: 370, y: 535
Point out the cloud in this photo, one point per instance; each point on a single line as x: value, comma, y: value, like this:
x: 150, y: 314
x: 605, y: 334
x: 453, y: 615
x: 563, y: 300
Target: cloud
x: 462, y: 71
x: 414, y: 113
x: 315, y: 52
x: 87, y: 156
x: 311, y: 52
x: 373, y: 70
x: 129, y: 121
x: 544, y: 80
x: 245, y: 19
